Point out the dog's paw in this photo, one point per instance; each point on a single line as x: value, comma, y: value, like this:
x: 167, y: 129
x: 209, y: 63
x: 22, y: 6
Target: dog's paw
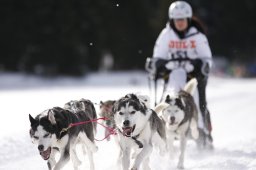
x: 180, y: 166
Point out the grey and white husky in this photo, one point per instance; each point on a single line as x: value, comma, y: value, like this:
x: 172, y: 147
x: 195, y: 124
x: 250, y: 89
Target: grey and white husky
x: 136, y: 125
x: 48, y: 132
x: 179, y: 113
x: 85, y: 106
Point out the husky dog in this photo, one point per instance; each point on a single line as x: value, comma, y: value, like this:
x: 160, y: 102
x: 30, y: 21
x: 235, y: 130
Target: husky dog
x: 106, y: 111
x: 49, y: 130
x: 85, y: 106
x: 179, y: 113
x: 136, y: 124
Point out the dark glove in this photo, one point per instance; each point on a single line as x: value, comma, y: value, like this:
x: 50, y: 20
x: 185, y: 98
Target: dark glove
x: 156, y: 66
x: 201, y: 67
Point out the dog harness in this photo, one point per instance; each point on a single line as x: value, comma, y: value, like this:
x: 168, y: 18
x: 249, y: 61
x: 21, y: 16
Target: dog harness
x: 111, y: 130
x: 135, y: 138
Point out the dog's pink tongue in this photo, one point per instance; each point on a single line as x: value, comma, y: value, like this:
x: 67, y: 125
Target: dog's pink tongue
x: 46, y: 154
x: 127, y: 131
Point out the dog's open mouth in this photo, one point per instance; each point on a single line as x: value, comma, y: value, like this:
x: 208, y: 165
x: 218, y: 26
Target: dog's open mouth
x: 46, y: 154
x: 127, y: 131
x: 172, y: 123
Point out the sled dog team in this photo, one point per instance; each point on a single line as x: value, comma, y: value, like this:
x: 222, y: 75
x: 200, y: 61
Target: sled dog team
x: 138, y: 128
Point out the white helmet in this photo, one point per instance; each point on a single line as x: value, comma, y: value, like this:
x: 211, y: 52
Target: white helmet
x: 180, y: 9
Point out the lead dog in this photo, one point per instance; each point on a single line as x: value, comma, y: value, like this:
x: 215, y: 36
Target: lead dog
x: 136, y: 124
x: 48, y: 132
x: 106, y: 109
x: 179, y: 113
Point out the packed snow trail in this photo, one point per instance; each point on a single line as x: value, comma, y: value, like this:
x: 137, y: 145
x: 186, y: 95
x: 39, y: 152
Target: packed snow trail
x: 231, y: 103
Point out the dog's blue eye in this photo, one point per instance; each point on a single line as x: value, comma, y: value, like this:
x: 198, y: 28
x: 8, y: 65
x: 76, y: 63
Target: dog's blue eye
x: 36, y: 137
x: 121, y: 113
x: 133, y: 112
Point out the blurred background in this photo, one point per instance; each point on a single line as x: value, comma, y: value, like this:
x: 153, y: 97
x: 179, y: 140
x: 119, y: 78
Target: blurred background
x: 54, y: 51
x: 75, y: 37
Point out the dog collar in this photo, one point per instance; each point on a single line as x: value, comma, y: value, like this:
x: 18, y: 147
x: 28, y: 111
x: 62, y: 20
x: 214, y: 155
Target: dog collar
x: 137, y: 141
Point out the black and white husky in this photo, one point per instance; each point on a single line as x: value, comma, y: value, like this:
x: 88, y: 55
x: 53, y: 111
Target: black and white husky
x: 136, y: 124
x: 179, y: 113
x: 48, y: 132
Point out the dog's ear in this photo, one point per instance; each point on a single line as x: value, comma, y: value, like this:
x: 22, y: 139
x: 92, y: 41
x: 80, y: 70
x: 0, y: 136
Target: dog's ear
x: 83, y: 100
x: 132, y: 96
x: 158, y: 109
x: 127, y: 96
x: 182, y: 99
x: 112, y: 106
x: 168, y: 99
x: 51, y: 117
x: 183, y: 102
x: 83, y: 104
x: 180, y: 102
x: 115, y: 107
x: 101, y: 104
x: 67, y: 105
x: 32, y: 120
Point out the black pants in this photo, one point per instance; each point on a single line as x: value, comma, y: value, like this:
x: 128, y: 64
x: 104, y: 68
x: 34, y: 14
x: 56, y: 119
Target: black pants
x: 202, y: 83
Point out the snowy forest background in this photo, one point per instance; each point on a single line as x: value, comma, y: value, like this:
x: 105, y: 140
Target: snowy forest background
x: 54, y: 51
x: 73, y: 37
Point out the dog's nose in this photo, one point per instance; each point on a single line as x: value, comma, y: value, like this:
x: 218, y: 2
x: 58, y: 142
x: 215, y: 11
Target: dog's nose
x: 126, y: 123
x: 172, y: 118
x: 41, y: 147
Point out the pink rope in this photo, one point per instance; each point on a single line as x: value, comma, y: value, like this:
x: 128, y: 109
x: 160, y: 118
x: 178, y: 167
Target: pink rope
x: 110, y: 130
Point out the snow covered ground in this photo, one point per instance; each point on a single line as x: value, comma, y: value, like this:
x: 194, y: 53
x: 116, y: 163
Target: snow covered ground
x: 232, y: 103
